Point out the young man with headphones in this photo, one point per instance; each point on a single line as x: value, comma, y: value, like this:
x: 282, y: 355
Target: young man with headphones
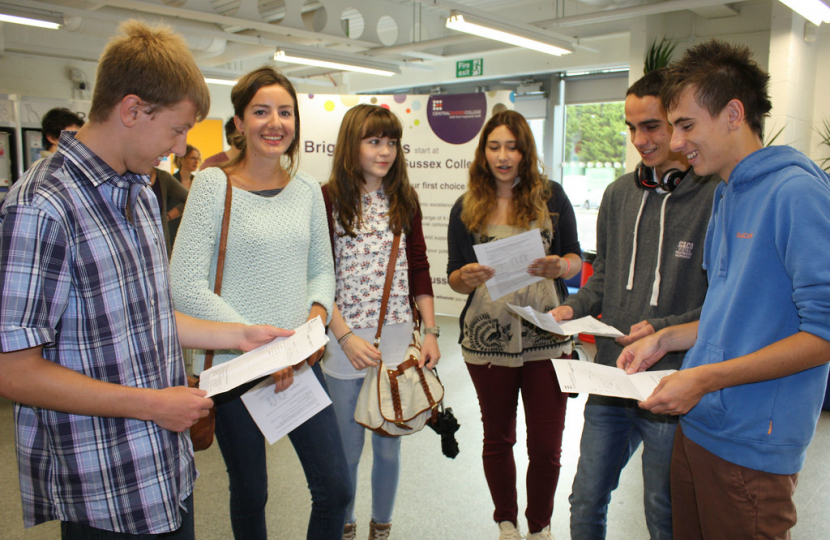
x: 647, y: 275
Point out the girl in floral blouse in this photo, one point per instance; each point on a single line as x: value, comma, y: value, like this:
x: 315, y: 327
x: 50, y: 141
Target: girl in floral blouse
x: 368, y: 200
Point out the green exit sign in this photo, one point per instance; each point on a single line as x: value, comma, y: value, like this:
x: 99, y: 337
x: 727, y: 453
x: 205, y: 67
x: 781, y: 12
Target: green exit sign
x: 469, y: 68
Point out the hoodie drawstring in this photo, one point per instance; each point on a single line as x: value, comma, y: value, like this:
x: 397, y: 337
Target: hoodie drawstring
x: 630, y: 284
x: 655, y: 289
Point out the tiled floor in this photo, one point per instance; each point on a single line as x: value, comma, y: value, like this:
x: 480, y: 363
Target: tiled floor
x: 439, y: 498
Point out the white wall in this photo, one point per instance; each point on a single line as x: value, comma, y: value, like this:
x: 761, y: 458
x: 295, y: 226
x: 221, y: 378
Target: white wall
x: 821, y: 105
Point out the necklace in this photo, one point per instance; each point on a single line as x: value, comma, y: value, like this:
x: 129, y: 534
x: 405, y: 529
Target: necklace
x: 246, y: 183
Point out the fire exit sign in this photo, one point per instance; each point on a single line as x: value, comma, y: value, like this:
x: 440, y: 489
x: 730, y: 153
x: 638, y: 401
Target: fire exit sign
x: 469, y: 68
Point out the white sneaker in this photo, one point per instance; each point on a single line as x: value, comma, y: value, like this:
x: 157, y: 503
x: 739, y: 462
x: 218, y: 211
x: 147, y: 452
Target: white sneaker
x: 508, y: 531
x: 544, y: 534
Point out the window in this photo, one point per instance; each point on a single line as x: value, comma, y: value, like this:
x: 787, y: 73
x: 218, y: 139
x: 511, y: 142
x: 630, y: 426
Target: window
x: 537, y: 127
x: 594, y: 156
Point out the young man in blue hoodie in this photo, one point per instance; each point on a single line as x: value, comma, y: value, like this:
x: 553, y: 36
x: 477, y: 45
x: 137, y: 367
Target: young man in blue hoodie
x: 751, y: 387
x: 647, y: 276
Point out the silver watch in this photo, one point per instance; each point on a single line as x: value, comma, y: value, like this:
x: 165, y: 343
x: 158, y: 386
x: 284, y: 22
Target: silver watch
x: 434, y: 330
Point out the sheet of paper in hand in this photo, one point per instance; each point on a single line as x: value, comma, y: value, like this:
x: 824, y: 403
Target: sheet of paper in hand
x: 576, y: 376
x: 583, y: 325
x: 267, y: 359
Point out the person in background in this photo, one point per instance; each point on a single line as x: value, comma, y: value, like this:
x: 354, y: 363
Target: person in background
x: 504, y: 354
x: 188, y: 165
x: 750, y: 389
x: 53, y: 122
x: 278, y: 270
x: 164, y: 186
x: 647, y: 275
x: 232, y: 138
x: 368, y: 200
x: 91, y: 346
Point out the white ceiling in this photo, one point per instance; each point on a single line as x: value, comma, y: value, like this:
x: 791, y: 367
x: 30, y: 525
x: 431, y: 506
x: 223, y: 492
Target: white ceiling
x: 230, y: 37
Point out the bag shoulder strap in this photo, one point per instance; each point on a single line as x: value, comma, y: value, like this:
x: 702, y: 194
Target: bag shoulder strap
x: 220, y: 260
x: 387, y: 286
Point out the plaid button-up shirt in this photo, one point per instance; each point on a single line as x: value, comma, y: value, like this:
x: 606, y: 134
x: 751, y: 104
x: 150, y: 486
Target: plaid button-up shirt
x: 84, y: 273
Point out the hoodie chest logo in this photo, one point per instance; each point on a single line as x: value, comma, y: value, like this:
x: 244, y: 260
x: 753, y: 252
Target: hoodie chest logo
x: 684, y: 250
x: 745, y: 235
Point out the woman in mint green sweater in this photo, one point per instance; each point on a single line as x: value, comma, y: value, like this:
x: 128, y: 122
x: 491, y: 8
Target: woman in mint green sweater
x: 278, y: 268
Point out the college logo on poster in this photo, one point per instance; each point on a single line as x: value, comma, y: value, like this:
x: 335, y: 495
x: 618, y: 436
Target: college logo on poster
x: 457, y: 119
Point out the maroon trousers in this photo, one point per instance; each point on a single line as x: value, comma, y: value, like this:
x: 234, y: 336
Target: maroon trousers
x: 498, y: 391
x: 715, y: 499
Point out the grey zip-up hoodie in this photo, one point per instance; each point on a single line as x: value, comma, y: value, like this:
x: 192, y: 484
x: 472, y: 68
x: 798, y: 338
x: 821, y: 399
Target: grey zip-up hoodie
x: 664, y: 291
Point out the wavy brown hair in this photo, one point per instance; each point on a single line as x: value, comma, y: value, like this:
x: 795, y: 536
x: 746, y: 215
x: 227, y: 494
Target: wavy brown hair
x: 241, y: 95
x: 361, y: 122
x: 530, y: 195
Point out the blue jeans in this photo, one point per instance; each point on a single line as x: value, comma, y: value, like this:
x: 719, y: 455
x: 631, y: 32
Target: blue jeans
x: 613, y: 430
x: 317, y: 443
x: 386, y: 451
x: 78, y: 531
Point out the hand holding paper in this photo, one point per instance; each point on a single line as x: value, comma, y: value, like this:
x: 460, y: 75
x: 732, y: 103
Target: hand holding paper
x: 576, y: 376
x: 277, y: 414
x: 510, y: 257
x: 269, y: 358
x: 584, y: 325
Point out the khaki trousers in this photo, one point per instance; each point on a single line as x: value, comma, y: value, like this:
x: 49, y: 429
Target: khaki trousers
x: 713, y: 499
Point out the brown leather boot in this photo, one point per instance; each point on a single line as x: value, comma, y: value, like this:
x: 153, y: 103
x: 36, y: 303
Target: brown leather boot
x: 349, y: 531
x: 379, y: 531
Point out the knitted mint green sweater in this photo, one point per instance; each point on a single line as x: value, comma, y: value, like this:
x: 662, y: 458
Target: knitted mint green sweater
x: 277, y: 263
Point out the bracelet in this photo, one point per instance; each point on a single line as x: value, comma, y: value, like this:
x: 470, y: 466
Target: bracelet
x: 342, y: 339
x: 568, y: 269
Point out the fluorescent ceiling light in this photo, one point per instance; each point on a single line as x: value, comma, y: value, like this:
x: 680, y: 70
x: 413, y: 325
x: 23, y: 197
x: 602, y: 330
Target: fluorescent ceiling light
x: 814, y: 11
x: 333, y: 61
x: 226, y: 82
x: 29, y: 21
x: 521, y: 37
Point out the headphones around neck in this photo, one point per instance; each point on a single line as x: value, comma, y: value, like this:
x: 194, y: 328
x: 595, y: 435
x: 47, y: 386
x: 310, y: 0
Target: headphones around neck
x: 644, y: 177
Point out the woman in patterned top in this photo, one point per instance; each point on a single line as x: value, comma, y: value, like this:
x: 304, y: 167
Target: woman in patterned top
x: 368, y: 200
x: 504, y: 354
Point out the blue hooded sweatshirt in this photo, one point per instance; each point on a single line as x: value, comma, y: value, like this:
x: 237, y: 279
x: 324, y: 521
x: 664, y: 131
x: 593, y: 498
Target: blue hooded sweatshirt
x: 767, y: 254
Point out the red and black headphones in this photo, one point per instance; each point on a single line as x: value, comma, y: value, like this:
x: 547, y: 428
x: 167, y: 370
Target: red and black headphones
x: 644, y: 177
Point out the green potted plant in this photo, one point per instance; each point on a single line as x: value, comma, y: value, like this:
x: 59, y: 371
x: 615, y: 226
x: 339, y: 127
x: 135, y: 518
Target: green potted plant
x: 658, y: 55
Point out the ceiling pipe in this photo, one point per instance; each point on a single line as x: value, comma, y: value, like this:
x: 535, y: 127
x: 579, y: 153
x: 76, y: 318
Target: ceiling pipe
x: 224, y: 20
x: 202, y: 46
x: 631, y: 12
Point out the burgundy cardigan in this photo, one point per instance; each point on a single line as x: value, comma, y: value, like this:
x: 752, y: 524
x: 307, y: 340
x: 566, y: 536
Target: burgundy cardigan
x: 420, y: 281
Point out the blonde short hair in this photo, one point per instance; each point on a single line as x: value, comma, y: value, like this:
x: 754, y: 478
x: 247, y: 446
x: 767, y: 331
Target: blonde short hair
x: 153, y: 63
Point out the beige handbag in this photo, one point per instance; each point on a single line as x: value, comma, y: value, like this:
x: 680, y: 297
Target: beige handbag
x: 402, y: 400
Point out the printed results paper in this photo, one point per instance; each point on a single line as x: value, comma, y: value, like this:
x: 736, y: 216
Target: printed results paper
x: 267, y: 359
x: 510, y: 257
x: 278, y: 414
x: 577, y: 376
x: 583, y: 325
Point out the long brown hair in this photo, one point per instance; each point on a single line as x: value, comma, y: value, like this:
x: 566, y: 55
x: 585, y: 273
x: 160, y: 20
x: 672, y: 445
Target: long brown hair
x: 360, y: 122
x: 243, y: 92
x: 530, y: 195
